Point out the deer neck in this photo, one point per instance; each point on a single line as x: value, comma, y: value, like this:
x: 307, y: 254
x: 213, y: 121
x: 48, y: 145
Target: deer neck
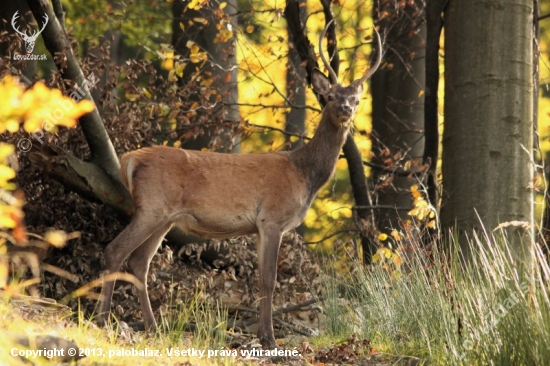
x: 317, y: 159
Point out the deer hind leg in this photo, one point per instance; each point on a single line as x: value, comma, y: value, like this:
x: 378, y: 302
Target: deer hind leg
x: 268, y: 242
x: 135, y: 234
x: 139, y: 266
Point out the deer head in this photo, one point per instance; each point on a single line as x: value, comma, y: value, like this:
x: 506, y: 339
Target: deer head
x: 29, y: 40
x: 341, y: 101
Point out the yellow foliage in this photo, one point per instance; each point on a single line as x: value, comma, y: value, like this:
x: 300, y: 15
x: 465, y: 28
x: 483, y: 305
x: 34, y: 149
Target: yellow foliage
x: 396, y: 235
x: 38, y: 107
x: 147, y: 93
x: 224, y: 35
x: 397, y: 260
x: 35, y: 108
x: 195, y: 4
x: 11, y: 213
x: 180, y: 66
x: 195, y: 53
x: 6, y: 173
x: 382, y: 237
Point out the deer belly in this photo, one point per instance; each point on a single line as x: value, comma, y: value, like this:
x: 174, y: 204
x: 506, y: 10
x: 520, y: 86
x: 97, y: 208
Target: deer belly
x: 216, y: 225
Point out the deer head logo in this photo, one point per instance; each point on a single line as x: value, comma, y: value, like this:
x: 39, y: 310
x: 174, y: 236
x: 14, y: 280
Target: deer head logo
x: 29, y: 40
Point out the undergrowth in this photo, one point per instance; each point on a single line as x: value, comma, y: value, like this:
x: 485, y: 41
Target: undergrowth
x: 488, y: 312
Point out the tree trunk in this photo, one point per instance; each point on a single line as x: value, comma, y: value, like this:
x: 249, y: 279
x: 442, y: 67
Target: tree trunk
x: 101, y: 148
x: 221, y: 65
x: 295, y: 87
x: 434, y: 25
x: 296, y: 93
x: 488, y: 137
x: 398, y: 109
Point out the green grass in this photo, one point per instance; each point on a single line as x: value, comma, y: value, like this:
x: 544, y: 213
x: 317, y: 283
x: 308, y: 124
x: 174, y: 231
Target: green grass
x: 105, y: 346
x: 487, y: 312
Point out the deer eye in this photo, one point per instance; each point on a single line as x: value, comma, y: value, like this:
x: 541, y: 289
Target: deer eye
x: 330, y: 97
x: 357, y: 102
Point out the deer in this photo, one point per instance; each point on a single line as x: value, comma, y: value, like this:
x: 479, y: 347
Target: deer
x: 217, y: 195
x: 29, y: 40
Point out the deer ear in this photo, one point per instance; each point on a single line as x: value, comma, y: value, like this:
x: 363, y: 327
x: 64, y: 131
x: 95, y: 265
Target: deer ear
x: 358, y: 85
x: 321, y: 84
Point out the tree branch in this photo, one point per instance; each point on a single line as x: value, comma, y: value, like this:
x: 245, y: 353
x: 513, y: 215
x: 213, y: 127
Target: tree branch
x: 87, y: 179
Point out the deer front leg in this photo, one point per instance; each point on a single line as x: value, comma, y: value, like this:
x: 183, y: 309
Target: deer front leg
x: 268, y: 242
x: 116, y: 252
x: 139, y: 266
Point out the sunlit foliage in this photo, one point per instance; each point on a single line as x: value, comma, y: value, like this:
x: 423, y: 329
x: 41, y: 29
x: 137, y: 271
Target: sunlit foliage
x: 30, y: 109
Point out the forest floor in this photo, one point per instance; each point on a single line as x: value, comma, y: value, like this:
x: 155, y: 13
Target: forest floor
x: 193, y: 301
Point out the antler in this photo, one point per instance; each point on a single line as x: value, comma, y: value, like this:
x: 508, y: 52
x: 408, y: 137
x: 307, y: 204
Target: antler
x: 16, y: 28
x: 36, y: 33
x: 332, y: 74
x: 374, y: 67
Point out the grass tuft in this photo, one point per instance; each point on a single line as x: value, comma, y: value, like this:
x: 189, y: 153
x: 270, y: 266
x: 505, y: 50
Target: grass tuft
x: 486, y: 312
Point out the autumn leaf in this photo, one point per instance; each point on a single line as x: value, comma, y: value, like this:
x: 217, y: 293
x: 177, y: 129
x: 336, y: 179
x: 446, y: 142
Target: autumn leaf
x: 131, y: 97
x: 57, y: 238
x: 382, y: 237
x: 6, y: 174
x: 180, y: 66
x: 397, y: 260
x: 395, y: 234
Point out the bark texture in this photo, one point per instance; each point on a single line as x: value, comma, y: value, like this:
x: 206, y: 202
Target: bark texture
x: 488, y: 137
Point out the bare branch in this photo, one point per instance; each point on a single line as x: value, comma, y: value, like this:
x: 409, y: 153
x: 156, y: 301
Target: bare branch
x: 336, y: 233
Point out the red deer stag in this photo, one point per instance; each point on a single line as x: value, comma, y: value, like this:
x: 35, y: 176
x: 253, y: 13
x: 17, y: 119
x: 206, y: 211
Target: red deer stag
x: 224, y: 195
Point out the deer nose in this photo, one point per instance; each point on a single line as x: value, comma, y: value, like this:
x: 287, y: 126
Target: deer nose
x: 344, y: 110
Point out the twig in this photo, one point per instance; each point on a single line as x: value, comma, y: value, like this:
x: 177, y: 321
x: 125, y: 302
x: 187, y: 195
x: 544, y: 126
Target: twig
x: 284, y: 132
x: 331, y: 235
x: 242, y: 308
x: 401, y: 173
x: 273, y: 106
x: 281, y: 310
x: 245, y: 323
x: 381, y: 207
x: 291, y: 327
x: 299, y: 306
